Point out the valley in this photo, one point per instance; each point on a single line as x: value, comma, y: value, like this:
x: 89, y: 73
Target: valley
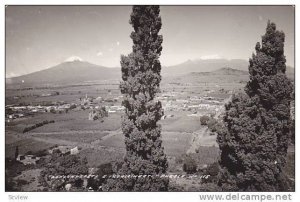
x: 47, y: 113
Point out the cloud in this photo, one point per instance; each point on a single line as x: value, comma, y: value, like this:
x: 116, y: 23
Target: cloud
x: 118, y: 43
x: 99, y: 53
x: 209, y: 57
x: 260, y: 18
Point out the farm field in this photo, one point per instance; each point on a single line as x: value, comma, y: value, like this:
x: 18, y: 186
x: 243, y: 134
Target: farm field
x: 101, y: 141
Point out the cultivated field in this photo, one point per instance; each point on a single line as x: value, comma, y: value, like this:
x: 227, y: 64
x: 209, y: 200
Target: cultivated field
x: 102, y: 141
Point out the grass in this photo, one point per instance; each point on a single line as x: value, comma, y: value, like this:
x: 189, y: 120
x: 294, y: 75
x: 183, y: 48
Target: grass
x: 78, y: 121
x: 72, y: 121
x: 181, y: 123
x: 175, y: 143
x: 206, y: 155
x: 116, y: 141
x: 77, y: 137
x: 98, y: 157
x: 25, y: 145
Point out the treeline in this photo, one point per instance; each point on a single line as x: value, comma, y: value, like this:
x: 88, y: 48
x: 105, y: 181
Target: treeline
x: 37, y: 125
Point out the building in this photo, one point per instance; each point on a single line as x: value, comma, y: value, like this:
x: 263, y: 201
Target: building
x: 28, y: 159
x: 74, y: 151
x: 65, y: 150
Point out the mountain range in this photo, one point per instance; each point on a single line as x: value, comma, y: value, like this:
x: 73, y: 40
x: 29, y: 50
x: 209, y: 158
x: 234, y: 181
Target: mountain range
x: 81, y: 71
x: 204, y: 66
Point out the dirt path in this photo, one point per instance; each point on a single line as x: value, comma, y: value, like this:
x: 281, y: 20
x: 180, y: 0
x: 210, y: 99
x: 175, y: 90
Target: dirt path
x: 111, y: 133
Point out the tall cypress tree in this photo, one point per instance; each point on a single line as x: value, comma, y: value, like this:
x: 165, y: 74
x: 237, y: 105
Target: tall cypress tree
x: 255, y: 140
x: 141, y: 80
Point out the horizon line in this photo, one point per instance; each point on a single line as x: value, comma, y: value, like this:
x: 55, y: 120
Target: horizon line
x: 81, y: 60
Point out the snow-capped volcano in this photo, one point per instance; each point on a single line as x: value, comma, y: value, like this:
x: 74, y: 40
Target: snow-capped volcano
x: 73, y: 71
x: 73, y: 58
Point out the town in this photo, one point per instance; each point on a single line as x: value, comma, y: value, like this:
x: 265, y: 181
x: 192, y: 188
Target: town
x: 196, y: 105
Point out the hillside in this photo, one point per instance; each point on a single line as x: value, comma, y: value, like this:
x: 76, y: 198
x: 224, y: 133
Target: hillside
x: 69, y: 72
x: 225, y: 71
x: 204, y: 66
x: 222, y: 75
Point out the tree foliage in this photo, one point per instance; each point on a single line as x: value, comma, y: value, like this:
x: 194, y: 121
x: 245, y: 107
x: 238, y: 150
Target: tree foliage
x: 141, y: 80
x: 204, y: 120
x: 64, y: 165
x: 255, y: 141
x: 189, y: 165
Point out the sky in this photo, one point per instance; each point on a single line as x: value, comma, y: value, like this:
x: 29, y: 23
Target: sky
x: 39, y: 37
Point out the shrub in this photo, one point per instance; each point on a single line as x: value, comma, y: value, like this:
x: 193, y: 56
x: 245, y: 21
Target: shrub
x: 41, y: 153
x: 103, y: 169
x: 178, y: 160
x: 64, y: 165
x: 212, y: 124
x: 189, y: 165
x: 204, y: 120
x: 213, y: 169
x: 73, y: 106
x: 29, y: 153
x: 38, y: 125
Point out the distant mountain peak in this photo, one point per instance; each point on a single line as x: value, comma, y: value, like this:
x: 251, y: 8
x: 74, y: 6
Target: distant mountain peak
x: 73, y: 59
x: 71, y: 72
